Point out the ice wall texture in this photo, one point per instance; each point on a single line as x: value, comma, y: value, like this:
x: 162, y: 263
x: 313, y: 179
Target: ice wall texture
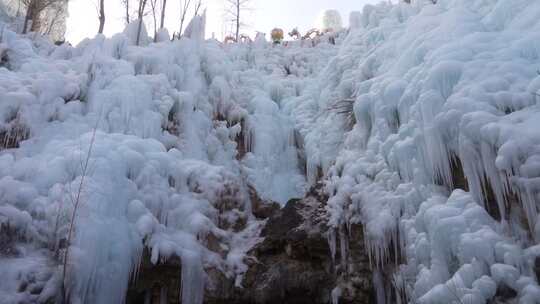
x: 422, y: 122
x: 162, y: 124
x: 445, y: 99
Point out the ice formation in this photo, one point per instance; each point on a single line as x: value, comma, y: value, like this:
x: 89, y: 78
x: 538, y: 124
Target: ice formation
x: 444, y: 98
x: 162, y: 126
x: 196, y: 28
x: 421, y: 121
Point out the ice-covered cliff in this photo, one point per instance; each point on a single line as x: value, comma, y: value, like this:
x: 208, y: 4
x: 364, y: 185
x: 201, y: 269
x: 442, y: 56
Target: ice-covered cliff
x: 156, y: 147
x: 440, y: 163
x: 416, y: 133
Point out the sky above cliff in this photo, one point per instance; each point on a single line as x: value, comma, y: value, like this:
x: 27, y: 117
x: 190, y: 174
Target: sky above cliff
x: 262, y: 16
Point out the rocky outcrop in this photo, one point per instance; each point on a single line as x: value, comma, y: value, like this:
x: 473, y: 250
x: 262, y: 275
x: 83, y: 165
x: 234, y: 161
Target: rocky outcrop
x: 156, y: 283
x: 292, y: 264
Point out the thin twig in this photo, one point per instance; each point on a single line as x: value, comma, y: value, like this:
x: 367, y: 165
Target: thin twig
x: 77, y: 202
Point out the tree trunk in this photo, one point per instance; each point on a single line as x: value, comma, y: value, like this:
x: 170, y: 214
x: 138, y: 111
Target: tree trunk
x: 127, y: 11
x: 52, y: 23
x: 35, y: 16
x: 162, y: 24
x: 197, y: 8
x: 139, y: 32
x: 155, y: 23
x: 27, y: 18
x: 181, y: 27
x: 142, y: 5
x: 237, y: 20
x: 101, y: 16
x: 19, y: 8
x: 183, y: 17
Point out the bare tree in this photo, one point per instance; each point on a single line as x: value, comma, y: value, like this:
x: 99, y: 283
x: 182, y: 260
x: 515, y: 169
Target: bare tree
x: 34, y: 9
x: 125, y: 3
x: 184, y: 6
x: 32, y: 13
x: 101, y: 16
x: 163, y: 6
x: 52, y: 21
x: 153, y: 6
x: 234, y: 9
x: 140, y: 15
x: 197, y: 7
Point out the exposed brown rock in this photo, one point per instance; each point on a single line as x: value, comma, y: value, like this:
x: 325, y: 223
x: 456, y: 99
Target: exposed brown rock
x: 156, y: 281
x: 293, y: 264
x: 262, y: 209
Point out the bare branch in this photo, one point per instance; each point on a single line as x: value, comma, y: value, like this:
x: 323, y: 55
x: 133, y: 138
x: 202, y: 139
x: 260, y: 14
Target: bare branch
x: 125, y: 3
x: 142, y: 6
x: 44, y: 15
x: 234, y: 10
x: 153, y: 6
x: 76, y: 206
x: 197, y: 7
x: 163, y: 6
x: 101, y: 16
x: 184, y: 6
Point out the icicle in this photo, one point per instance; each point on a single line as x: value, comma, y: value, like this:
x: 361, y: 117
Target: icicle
x: 472, y: 168
x: 369, y: 250
x: 378, y: 284
x: 336, y: 294
x: 482, y: 174
x: 248, y: 137
x: 332, y: 243
x: 435, y: 146
x: 528, y: 199
x: 399, y: 287
x: 135, y: 268
x: 312, y: 173
x: 192, y: 278
x: 395, y: 243
x: 499, y: 185
x: 344, y: 247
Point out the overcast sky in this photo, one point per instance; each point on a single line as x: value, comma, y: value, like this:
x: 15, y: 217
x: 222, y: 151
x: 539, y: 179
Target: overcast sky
x: 264, y: 15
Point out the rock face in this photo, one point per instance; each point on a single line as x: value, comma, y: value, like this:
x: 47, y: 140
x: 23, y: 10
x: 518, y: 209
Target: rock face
x: 155, y: 283
x: 293, y: 264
